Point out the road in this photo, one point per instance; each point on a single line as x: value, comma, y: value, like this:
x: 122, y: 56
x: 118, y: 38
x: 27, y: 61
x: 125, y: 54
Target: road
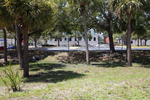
x: 83, y: 48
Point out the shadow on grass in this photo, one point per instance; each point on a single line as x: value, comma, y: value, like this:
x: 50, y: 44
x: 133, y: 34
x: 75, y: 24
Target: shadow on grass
x: 142, y: 58
x: 53, y: 76
x: 111, y: 65
x: 47, y: 75
x: 1, y: 65
x: 45, y: 66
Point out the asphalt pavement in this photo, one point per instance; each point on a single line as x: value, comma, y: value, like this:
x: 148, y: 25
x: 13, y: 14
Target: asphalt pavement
x: 101, y: 48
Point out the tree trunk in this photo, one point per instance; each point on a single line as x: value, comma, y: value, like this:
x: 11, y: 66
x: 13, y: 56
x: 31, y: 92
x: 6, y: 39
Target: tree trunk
x: 68, y: 43
x: 25, y: 51
x: 145, y: 41
x: 110, y: 34
x: 104, y: 40
x: 86, y: 38
x: 129, y: 41
x: 74, y: 40
x: 18, y: 37
x: 15, y: 41
x: 58, y: 42
x: 137, y: 40
x: 78, y: 40
x: 5, y: 46
x: 35, y: 42
x: 141, y: 42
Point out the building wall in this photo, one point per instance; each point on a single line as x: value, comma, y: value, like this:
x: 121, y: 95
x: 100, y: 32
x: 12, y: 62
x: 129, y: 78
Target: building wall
x: 143, y: 42
x: 93, y: 41
x: 9, y: 42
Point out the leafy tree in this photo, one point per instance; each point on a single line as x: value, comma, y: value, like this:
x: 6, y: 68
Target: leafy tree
x: 29, y: 15
x: 146, y: 36
x: 127, y: 7
x: 5, y: 20
x: 101, y: 19
x: 81, y: 5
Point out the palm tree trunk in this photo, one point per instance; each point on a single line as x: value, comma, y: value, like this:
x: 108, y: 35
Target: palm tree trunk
x: 145, y: 42
x: 141, y: 42
x: 137, y: 40
x: 5, y: 46
x: 15, y: 41
x: 104, y: 40
x: 18, y: 36
x: 25, y: 51
x: 35, y: 42
x: 110, y: 34
x: 58, y: 42
x: 78, y: 40
x: 129, y: 41
x: 86, y: 38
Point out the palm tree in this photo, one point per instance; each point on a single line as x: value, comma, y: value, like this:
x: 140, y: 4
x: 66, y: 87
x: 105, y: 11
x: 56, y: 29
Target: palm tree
x: 30, y: 15
x: 127, y: 7
x: 5, y: 21
x: 82, y: 6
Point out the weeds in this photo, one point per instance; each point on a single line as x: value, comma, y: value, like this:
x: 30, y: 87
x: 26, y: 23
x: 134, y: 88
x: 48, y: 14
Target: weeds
x: 11, y: 79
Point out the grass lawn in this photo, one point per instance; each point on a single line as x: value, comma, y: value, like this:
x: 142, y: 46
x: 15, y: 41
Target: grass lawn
x: 51, y: 79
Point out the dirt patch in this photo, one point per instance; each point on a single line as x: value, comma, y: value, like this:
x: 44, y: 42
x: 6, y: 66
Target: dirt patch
x: 80, y: 56
x: 37, y: 54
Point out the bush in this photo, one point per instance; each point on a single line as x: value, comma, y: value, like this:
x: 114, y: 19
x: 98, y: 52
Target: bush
x: 11, y: 79
x: 48, y: 45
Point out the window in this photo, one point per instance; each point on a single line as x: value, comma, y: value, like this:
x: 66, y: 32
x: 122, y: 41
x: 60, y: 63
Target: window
x: 80, y: 39
x: 70, y: 39
x: 90, y: 32
x: 65, y: 39
x: 60, y: 39
x: 55, y: 39
x: 94, y: 38
x: 50, y: 39
x: 94, y: 32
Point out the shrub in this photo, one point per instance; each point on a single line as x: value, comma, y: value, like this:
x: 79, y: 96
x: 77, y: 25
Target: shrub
x: 11, y: 79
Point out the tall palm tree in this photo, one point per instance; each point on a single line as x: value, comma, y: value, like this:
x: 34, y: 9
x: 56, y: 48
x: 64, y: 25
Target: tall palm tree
x: 127, y: 7
x: 82, y: 6
x: 30, y: 15
x: 5, y: 21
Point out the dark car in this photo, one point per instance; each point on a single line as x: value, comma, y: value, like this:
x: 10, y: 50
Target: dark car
x: 11, y: 47
x: 1, y: 48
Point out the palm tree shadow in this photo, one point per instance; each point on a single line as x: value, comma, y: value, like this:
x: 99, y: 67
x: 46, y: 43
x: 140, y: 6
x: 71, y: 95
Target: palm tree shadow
x: 110, y: 64
x: 45, y: 66
x: 51, y: 76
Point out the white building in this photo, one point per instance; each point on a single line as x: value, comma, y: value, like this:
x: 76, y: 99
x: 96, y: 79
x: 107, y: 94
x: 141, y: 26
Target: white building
x: 64, y: 41
x: 9, y: 42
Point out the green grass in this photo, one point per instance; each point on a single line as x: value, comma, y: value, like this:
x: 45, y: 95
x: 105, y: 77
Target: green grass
x: 51, y: 79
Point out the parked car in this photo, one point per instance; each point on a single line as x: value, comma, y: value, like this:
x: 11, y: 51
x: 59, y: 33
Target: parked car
x: 12, y: 47
x: 1, y: 48
x: 48, y: 45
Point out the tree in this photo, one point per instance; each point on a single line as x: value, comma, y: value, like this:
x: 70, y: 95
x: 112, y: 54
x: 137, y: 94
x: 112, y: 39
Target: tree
x: 101, y: 19
x: 81, y: 5
x: 146, y: 36
x: 5, y: 20
x: 128, y: 7
x: 29, y: 15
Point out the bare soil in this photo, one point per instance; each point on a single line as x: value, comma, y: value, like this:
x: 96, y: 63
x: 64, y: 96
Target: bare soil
x: 79, y: 56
